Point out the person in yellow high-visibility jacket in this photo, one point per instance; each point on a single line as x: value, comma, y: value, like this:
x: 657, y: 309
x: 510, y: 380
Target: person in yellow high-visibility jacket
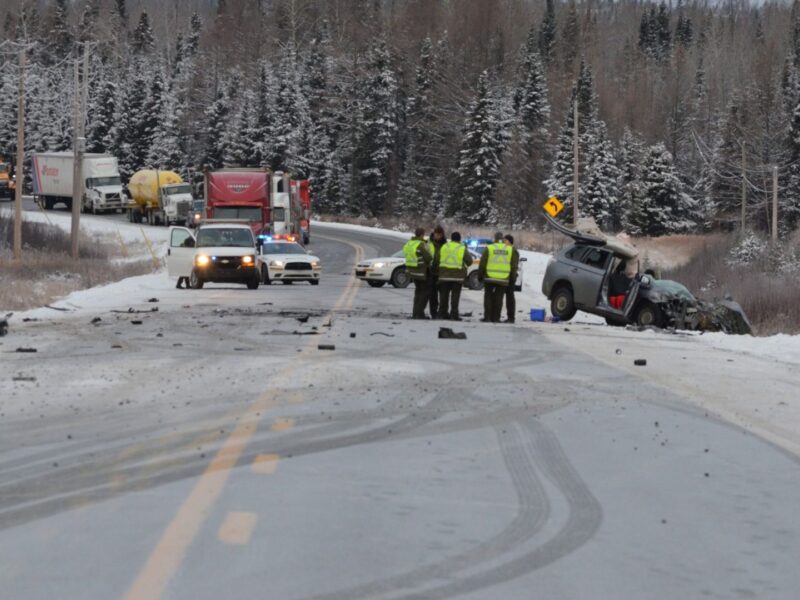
x: 495, y: 271
x: 418, y: 262
x: 511, y: 303
x: 454, y: 260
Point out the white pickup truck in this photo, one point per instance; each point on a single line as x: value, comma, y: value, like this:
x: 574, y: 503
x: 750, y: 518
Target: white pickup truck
x: 214, y: 253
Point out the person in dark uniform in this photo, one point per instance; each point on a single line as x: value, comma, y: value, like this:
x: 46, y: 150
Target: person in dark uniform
x: 511, y: 302
x: 434, y: 248
x: 418, y: 261
x: 495, y: 271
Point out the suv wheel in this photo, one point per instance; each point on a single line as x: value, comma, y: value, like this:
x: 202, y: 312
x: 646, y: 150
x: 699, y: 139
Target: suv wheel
x: 373, y: 283
x: 562, y: 305
x: 400, y: 278
x: 649, y: 315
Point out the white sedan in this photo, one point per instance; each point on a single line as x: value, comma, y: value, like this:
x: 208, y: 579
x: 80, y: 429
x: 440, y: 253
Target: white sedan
x: 392, y: 269
x: 287, y: 262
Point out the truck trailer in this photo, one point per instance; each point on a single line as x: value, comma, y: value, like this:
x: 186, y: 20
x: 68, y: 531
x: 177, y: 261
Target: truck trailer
x: 239, y: 195
x: 291, y: 207
x: 7, y: 183
x: 53, y: 177
x: 159, y: 198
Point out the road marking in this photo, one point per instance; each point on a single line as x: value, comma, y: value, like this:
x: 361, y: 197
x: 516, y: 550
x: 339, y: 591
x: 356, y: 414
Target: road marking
x: 265, y: 464
x: 282, y: 425
x: 237, y: 528
x: 169, y: 553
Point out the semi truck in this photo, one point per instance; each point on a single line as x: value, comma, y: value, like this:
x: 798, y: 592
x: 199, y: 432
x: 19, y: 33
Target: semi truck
x: 53, y: 177
x: 7, y: 184
x: 158, y: 198
x: 291, y: 207
x: 239, y: 195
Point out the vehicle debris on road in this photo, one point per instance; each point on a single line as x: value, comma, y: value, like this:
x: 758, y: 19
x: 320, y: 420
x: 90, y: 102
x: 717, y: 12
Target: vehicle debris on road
x: 445, y: 333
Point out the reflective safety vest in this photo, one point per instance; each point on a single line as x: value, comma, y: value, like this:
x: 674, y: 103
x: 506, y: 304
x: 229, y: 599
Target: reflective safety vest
x: 498, y: 264
x: 451, y: 262
x: 410, y: 252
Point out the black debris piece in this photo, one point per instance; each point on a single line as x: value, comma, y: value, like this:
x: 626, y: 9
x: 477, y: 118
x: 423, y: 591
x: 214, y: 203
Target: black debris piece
x: 640, y: 362
x: 152, y: 300
x: 326, y: 347
x: 466, y: 314
x: 23, y: 378
x: 382, y: 333
x: 27, y: 350
x: 116, y: 346
x: 136, y: 322
x: 29, y: 319
x: 96, y: 320
x: 57, y: 308
x: 3, y: 327
x: 133, y: 311
x: 445, y: 333
x: 352, y: 334
x: 303, y: 318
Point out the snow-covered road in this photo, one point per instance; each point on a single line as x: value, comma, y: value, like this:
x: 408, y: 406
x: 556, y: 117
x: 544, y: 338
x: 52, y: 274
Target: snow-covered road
x: 214, y: 450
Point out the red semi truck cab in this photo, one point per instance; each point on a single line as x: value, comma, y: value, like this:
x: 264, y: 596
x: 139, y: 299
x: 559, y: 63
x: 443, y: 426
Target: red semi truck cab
x: 239, y: 194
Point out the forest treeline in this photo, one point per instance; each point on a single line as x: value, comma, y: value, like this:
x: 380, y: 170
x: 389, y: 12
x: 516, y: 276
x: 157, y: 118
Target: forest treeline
x: 460, y: 108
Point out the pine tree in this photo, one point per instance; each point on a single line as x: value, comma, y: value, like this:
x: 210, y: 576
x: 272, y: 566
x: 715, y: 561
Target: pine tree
x: 630, y: 186
x: 725, y: 185
x: 101, y: 117
x: 547, y: 33
x: 479, y: 162
x: 600, y: 194
x: 129, y: 125
x: 193, y: 39
x: 790, y: 206
x: 571, y: 36
x: 60, y: 36
x: 376, y: 151
x: 143, y: 40
x: 662, y: 208
x: 216, y: 119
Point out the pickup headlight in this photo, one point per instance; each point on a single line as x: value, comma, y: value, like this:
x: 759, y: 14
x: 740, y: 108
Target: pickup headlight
x: 248, y: 260
x: 201, y: 260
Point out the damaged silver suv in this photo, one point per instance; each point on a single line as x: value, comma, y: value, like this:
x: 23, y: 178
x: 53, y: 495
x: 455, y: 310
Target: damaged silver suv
x: 599, y: 274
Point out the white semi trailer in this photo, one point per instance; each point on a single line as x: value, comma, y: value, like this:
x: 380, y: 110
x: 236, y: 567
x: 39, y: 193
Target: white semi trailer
x: 53, y: 178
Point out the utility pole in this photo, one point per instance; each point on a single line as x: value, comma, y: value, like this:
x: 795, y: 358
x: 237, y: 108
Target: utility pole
x: 79, y: 146
x: 744, y: 189
x: 575, y: 166
x: 775, y: 204
x: 19, y: 179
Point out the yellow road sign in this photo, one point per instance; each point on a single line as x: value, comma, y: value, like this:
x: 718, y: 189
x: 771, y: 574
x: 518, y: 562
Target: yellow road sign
x: 553, y: 206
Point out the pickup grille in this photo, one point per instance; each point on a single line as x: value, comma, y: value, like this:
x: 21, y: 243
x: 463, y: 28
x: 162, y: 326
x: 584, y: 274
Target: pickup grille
x: 298, y: 266
x: 227, y: 262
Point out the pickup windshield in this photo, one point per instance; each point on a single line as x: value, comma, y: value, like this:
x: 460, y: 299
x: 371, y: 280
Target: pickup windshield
x: 248, y: 213
x: 228, y: 238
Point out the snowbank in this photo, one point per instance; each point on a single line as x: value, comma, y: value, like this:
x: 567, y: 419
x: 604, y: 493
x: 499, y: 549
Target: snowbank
x: 781, y: 347
x: 400, y: 235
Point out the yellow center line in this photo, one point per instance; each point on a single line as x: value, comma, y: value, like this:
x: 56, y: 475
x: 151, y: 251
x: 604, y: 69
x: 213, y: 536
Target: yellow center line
x: 282, y: 425
x: 167, y: 556
x: 265, y: 464
x: 237, y: 528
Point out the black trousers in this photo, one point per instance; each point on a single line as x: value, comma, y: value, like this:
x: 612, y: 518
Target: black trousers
x: 511, y: 303
x: 421, y: 292
x: 449, y: 298
x: 493, y: 295
x: 433, y: 295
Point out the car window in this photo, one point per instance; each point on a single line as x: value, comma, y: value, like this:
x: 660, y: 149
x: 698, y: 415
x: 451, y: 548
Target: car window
x: 180, y: 239
x: 595, y: 258
x: 574, y: 253
x: 234, y: 238
x: 280, y: 248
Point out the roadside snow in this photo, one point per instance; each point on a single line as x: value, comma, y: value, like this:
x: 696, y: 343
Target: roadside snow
x: 401, y: 235
x: 781, y: 347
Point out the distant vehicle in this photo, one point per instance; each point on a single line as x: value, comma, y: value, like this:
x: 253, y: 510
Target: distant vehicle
x: 53, y: 177
x: 241, y: 195
x: 581, y: 276
x: 7, y: 181
x: 291, y: 207
x: 287, y: 261
x: 377, y: 272
x: 158, y: 197
x: 215, y: 253
x: 197, y: 214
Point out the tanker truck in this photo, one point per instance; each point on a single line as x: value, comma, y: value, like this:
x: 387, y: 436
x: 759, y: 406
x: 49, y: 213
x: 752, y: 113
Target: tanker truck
x: 159, y: 198
x: 7, y: 183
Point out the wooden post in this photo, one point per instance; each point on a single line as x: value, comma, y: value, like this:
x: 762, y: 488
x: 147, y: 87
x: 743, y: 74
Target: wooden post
x: 18, y: 174
x: 79, y: 147
x: 744, y: 189
x: 575, y: 179
x: 774, y: 204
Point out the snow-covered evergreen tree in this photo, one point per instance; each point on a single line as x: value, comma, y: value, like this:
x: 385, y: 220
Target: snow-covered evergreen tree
x: 376, y: 151
x: 547, y: 33
x: 143, y: 40
x: 629, y: 186
x: 216, y: 119
x: 663, y: 207
x: 600, y: 193
x: 479, y: 161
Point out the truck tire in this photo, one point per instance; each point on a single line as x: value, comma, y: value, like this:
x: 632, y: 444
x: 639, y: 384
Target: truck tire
x: 649, y: 315
x: 314, y: 282
x: 265, y: 275
x: 562, y: 304
x: 400, y: 278
x: 195, y: 281
x: 253, y: 283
